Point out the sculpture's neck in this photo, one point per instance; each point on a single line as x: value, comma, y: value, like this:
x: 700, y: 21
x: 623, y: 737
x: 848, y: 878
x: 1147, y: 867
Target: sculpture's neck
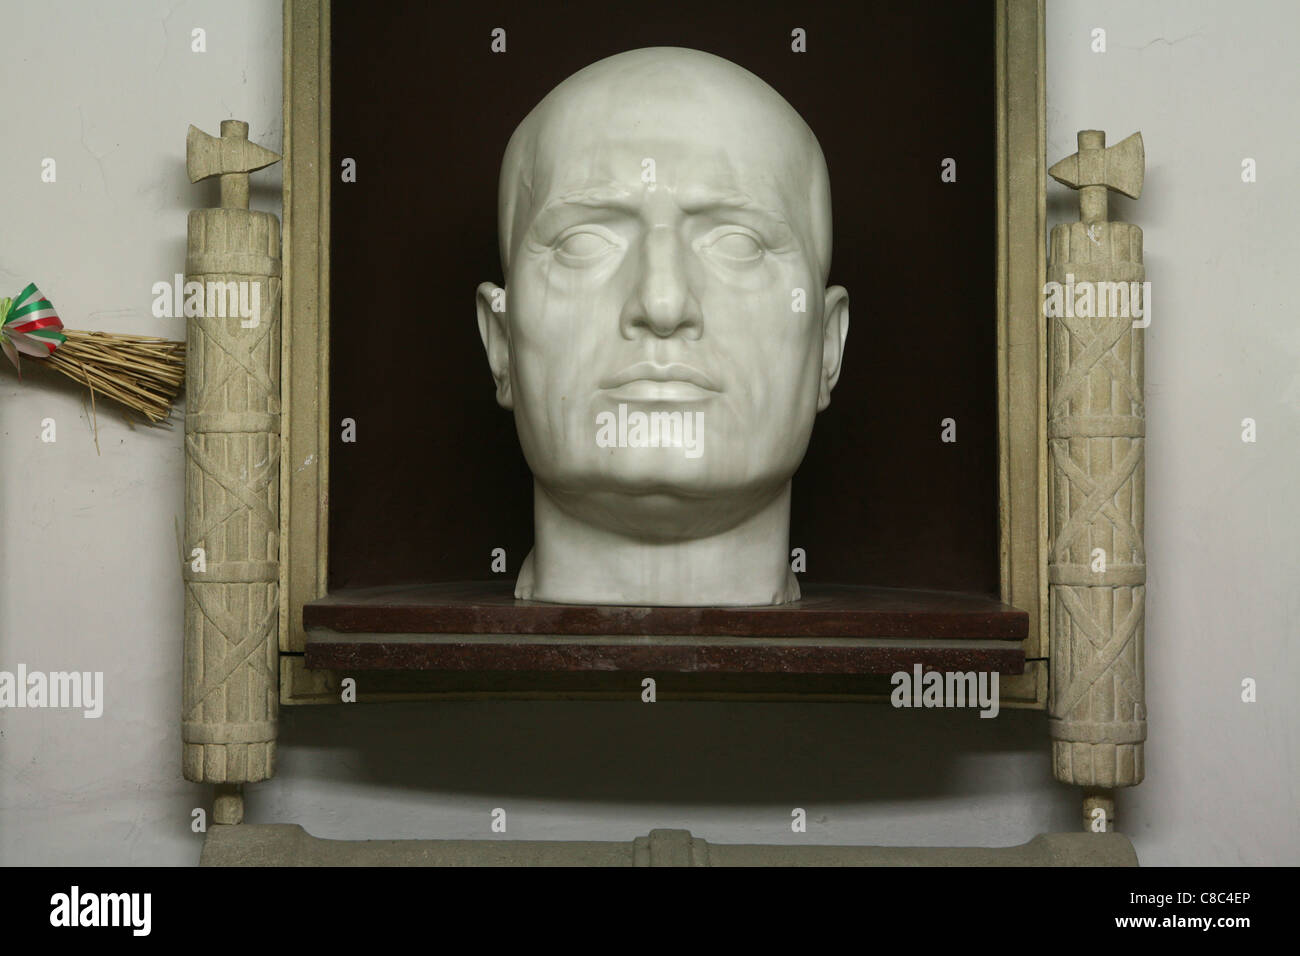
x: 577, y: 562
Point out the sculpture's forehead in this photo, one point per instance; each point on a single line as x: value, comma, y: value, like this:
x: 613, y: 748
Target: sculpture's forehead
x: 679, y: 124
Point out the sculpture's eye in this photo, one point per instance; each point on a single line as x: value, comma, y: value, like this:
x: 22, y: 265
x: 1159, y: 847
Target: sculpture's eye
x: 736, y: 246
x: 583, y: 246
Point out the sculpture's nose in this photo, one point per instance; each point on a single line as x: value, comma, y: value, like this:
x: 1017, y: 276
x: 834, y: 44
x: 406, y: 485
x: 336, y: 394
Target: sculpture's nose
x: 662, y: 301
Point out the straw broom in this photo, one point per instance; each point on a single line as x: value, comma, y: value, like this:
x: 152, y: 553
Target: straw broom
x: 142, y: 372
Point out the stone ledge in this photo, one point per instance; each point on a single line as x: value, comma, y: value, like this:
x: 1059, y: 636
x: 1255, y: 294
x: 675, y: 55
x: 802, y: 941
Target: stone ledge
x: 285, y: 844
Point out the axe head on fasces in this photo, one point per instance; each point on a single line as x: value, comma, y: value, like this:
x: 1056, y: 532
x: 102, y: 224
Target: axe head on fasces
x: 1119, y: 168
x: 229, y: 153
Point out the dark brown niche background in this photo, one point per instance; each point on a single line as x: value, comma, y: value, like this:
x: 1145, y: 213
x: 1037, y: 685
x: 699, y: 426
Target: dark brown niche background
x: 435, y: 479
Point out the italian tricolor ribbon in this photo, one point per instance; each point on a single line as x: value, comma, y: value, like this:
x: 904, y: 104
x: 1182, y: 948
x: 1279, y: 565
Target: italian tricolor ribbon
x: 30, y: 325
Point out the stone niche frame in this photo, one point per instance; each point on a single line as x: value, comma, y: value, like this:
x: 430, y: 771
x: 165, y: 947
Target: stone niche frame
x: 1021, y: 353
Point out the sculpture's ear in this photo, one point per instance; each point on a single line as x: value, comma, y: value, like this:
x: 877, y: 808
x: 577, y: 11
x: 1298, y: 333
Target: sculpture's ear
x: 835, y: 329
x: 492, y: 328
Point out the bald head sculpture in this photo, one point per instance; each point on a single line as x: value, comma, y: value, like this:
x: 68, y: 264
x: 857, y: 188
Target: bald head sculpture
x: 665, y: 336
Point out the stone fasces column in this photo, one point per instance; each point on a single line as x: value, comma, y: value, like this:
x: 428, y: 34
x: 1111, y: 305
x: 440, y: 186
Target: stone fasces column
x: 1096, y: 450
x: 232, y: 472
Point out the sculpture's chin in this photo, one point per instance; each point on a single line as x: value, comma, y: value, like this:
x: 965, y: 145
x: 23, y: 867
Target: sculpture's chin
x: 663, y: 511
x: 730, y: 469
x: 663, y: 548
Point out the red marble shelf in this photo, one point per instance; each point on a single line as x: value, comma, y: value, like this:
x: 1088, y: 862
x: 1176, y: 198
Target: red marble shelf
x: 825, y: 611
x: 833, y: 630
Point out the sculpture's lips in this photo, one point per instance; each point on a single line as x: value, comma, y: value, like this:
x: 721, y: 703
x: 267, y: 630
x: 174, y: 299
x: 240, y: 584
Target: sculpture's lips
x: 650, y: 372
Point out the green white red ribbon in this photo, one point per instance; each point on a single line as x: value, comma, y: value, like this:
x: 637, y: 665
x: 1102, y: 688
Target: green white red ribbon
x: 29, y: 324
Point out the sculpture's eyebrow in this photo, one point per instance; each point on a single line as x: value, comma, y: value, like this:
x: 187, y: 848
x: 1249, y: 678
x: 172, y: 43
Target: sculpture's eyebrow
x: 693, y: 200
x: 598, y: 196
x: 697, y: 200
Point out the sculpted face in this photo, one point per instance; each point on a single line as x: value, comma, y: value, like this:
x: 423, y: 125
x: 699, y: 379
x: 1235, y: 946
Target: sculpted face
x: 665, y: 234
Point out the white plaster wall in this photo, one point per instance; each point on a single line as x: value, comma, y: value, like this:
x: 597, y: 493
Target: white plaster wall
x: 89, y: 552
x: 1209, y: 84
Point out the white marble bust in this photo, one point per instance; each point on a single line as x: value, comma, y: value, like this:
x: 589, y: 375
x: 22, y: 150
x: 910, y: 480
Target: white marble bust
x: 665, y: 336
